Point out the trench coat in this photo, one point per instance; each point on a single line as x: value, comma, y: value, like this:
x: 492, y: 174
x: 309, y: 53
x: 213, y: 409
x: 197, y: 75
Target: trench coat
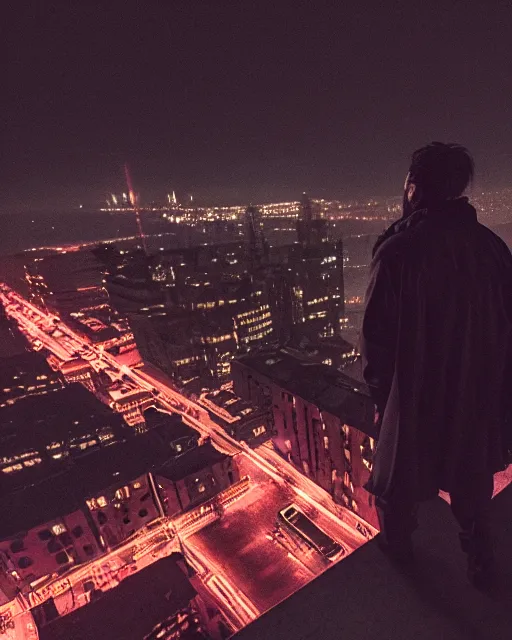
x: 436, y: 343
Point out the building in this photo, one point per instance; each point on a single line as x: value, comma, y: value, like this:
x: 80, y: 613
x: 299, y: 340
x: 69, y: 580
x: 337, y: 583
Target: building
x: 72, y: 286
x: 243, y: 420
x: 157, y: 602
x: 194, y: 477
x: 256, y: 245
x: 205, y: 298
x: 23, y: 372
x: 91, y: 483
x: 66, y: 283
x: 306, y: 290
x: 37, y: 435
x: 322, y: 421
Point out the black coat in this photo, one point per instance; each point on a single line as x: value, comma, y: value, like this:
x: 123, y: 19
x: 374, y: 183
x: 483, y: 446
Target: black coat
x: 437, y: 350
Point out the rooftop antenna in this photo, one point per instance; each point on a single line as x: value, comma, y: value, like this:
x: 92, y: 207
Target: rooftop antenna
x: 133, y: 200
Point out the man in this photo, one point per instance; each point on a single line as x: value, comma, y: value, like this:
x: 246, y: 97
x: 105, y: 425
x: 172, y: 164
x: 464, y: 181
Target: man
x: 437, y: 349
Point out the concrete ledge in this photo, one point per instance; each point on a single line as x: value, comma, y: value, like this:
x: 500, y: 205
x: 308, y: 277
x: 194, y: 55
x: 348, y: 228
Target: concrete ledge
x: 366, y: 598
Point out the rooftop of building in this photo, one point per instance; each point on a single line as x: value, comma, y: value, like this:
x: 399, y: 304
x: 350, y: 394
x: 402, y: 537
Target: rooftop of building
x: 191, y: 462
x: 36, y: 421
x: 167, y: 426
x: 132, y: 609
x: 365, y: 596
x: 18, y: 369
x: 60, y: 488
x: 12, y: 341
x: 232, y: 404
x: 325, y: 387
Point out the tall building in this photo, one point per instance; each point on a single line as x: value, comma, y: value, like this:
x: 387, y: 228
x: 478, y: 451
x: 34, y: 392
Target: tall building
x: 311, y: 230
x: 257, y: 248
x: 307, y: 290
x: 322, y: 421
x: 192, y: 310
x: 68, y: 283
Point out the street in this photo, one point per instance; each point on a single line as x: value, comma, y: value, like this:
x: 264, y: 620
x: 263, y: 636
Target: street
x: 248, y: 564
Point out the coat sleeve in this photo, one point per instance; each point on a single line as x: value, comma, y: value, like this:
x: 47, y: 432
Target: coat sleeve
x: 379, y: 331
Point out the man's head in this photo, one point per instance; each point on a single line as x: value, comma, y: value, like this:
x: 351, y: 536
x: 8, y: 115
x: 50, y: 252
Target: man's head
x: 438, y: 172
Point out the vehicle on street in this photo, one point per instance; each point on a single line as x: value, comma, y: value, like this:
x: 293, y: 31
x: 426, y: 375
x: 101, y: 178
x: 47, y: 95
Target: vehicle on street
x: 298, y: 522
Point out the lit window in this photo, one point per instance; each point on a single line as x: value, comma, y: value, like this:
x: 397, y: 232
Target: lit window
x: 58, y: 529
x: 136, y: 485
x: 102, y: 501
x: 326, y: 442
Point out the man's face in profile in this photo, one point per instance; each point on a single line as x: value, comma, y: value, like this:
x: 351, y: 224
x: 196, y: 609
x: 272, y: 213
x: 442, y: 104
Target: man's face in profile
x: 407, y: 207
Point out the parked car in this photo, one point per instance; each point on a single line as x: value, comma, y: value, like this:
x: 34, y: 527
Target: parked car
x: 298, y: 522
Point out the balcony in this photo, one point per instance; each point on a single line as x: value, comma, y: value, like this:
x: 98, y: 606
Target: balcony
x: 365, y: 597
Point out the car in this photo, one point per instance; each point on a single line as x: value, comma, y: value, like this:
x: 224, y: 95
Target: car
x: 292, y: 517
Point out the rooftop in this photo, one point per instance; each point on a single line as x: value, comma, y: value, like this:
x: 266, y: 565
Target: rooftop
x: 35, y: 422
x: 191, y: 461
x: 132, y: 609
x: 365, y: 597
x: 325, y: 387
x: 59, y: 488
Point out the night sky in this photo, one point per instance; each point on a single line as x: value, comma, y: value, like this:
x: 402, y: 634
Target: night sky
x: 237, y: 101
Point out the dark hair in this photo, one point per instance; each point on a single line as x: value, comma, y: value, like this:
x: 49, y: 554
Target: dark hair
x: 442, y: 170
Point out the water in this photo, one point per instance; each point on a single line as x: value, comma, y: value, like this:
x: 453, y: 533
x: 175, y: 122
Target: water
x: 28, y: 230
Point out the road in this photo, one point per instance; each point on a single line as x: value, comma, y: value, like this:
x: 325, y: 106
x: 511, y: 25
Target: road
x: 265, y: 571
x: 38, y: 323
x: 252, y: 572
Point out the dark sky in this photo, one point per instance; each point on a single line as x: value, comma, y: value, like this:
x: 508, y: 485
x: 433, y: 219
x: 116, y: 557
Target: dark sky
x: 236, y: 101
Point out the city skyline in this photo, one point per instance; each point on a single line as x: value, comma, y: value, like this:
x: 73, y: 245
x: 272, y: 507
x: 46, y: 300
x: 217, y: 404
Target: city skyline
x: 240, y: 105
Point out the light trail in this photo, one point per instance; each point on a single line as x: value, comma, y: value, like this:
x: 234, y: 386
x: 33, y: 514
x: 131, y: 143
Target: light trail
x: 195, y: 416
x: 38, y: 324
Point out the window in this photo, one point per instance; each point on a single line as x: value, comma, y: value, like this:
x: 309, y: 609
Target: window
x: 126, y: 520
x: 25, y: 562
x: 102, y: 518
x: 136, y: 485
x: 54, y: 545
x: 66, y: 539
x: 78, y: 532
x: 143, y: 513
x: 88, y: 585
x: 58, y: 528
x: 62, y: 557
x: 44, y: 534
x: 102, y: 501
x: 17, y: 546
x: 89, y: 551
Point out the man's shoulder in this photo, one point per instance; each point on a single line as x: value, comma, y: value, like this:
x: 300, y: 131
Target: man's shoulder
x: 411, y: 238
x: 495, y: 239
x: 394, y: 247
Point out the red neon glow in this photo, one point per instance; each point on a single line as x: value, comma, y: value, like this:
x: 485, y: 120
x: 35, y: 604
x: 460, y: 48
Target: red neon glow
x: 133, y: 200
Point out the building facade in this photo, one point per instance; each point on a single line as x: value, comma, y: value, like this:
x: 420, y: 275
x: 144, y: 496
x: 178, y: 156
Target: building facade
x: 322, y: 421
